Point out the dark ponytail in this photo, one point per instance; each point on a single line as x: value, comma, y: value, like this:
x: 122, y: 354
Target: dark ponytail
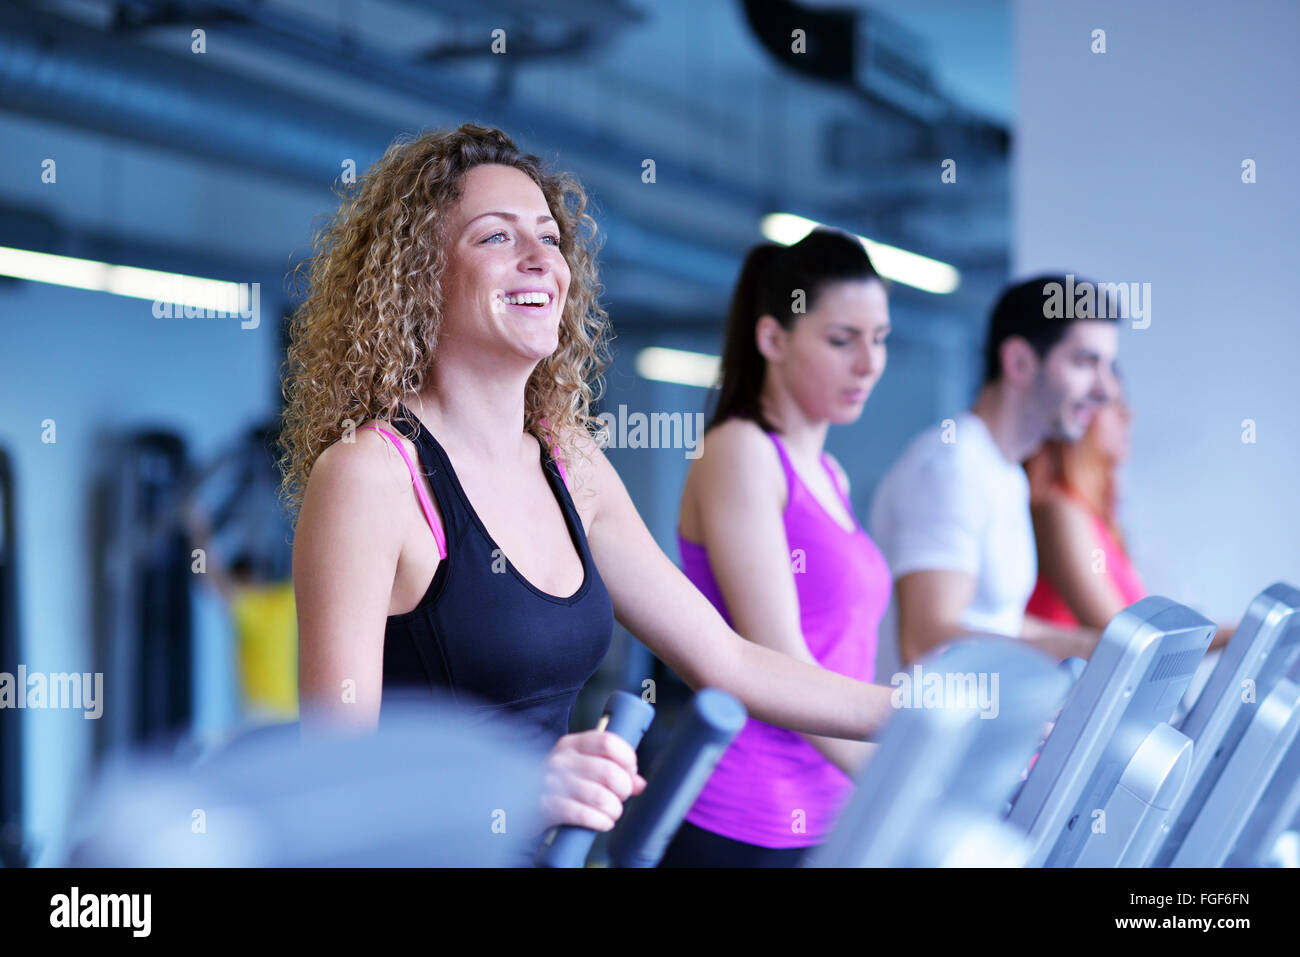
x: 742, y: 363
x: 771, y: 279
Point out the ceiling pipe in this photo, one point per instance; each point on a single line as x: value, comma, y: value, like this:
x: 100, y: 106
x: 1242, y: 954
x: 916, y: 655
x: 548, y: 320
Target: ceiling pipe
x: 57, y: 70
x: 308, y: 41
x: 54, y: 69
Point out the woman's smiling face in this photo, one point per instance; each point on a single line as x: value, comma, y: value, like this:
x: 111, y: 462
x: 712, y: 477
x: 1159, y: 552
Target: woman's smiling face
x: 506, y: 279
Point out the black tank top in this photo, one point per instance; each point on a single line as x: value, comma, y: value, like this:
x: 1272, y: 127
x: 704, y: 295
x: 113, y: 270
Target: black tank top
x: 482, y: 631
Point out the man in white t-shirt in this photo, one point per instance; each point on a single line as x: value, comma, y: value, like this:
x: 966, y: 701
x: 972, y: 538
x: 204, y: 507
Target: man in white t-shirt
x: 952, y: 515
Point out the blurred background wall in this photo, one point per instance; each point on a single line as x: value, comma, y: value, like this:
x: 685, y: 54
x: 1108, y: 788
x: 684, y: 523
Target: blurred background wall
x: 1128, y: 164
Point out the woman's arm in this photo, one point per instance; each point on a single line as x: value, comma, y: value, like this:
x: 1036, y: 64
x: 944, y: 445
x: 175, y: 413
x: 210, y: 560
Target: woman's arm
x: 660, y: 606
x: 345, y: 554
x: 1060, y: 642
x: 1063, y: 530
x: 740, y: 490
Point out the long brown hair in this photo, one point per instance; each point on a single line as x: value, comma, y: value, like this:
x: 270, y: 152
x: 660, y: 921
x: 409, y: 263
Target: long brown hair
x: 368, y: 329
x: 1080, y: 469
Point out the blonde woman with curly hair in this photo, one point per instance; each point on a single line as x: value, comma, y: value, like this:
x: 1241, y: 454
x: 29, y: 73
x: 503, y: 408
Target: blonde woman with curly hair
x: 458, y: 528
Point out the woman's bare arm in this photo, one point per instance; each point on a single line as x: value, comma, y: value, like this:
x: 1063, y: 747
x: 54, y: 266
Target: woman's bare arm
x: 345, y: 556
x: 660, y: 606
x: 1063, y: 530
x: 740, y: 487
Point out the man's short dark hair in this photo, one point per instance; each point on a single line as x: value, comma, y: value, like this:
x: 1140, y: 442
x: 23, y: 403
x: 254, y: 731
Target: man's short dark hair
x: 1022, y: 311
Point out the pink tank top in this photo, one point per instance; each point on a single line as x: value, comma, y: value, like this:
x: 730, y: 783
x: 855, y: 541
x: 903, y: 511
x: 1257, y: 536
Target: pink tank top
x: 1046, y: 602
x: 772, y: 788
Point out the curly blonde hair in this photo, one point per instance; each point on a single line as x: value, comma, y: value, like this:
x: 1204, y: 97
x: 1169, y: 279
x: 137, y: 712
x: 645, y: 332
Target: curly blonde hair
x: 367, y: 331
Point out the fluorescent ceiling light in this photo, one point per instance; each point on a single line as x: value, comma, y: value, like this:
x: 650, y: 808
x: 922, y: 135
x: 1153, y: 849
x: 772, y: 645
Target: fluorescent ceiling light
x: 893, y: 263
x: 130, y: 281
x: 679, y: 366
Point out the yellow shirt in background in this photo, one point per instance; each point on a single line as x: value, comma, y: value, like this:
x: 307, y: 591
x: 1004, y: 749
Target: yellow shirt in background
x: 266, y: 631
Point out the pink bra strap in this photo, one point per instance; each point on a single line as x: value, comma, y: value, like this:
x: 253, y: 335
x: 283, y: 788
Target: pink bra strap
x: 419, y: 488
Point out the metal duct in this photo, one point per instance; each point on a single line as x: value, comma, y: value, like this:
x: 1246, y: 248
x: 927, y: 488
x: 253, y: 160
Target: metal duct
x: 57, y: 69
x: 54, y: 69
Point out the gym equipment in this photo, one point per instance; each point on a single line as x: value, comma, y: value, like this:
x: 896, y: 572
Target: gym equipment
x: 11, y: 723
x: 145, y: 577
x: 1074, y: 668
x: 934, y: 793
x: 567, y: 846
x: 250, y: 510
x: 243, y: 479
x: 143, y: 591
x: 1110, y: 770
x: 1272, y: 826
x: 434, y: 786
x: 699, y: 740
x: 1242, y: 726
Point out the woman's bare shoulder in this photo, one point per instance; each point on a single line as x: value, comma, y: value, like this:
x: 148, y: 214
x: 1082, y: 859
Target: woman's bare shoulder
x: 350, y: 530
x: 361, y: 462
x: 737, y: 458
x: 731, y: 448
x: 740, y: 438
x: 1060, y: 515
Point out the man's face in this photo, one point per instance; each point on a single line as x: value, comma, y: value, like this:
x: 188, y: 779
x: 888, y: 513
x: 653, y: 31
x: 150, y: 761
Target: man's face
x: 1076, y: 378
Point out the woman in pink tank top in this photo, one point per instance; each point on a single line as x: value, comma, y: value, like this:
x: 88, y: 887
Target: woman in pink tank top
x: 768, y: 535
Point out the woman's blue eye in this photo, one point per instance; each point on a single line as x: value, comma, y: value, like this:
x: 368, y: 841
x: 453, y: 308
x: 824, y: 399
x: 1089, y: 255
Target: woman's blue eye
x: 550, y: 236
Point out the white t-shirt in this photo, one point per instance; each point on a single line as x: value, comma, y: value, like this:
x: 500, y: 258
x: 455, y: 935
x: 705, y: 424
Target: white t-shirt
x: 952, y: 502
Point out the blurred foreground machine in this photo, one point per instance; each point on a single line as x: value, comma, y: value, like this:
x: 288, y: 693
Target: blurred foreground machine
x: 934, y: 794
x: 435, y: 786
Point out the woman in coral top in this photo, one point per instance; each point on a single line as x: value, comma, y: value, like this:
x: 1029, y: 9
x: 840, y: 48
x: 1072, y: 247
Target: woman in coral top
x: 1085, y: 576
x: 1084, y: 573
